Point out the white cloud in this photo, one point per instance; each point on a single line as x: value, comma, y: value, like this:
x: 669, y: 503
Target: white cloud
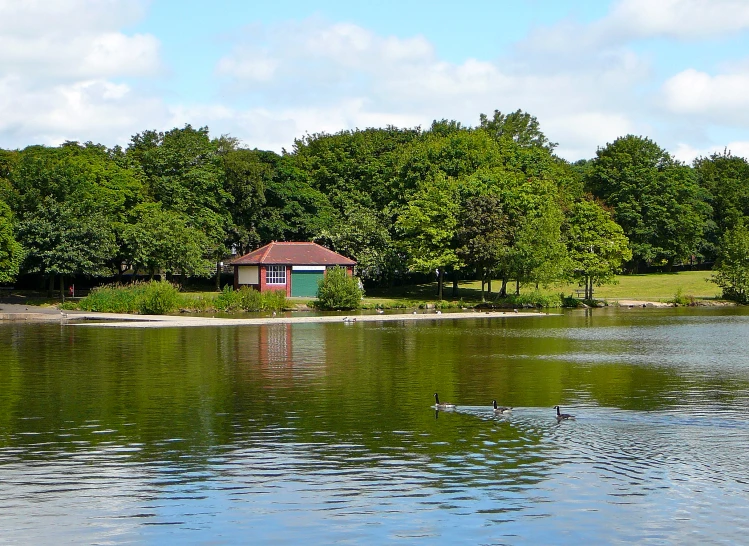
x: 60, y: 62
x: 723, y: 98
x: 681, y: 19
x: 687, y: 153
x: 342, y: 76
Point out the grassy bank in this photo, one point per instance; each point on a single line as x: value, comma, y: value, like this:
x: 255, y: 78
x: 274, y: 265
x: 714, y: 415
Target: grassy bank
x: 650, y: 287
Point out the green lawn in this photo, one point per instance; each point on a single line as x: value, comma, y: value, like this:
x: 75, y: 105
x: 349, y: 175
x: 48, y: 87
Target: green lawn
x: 651, y: 287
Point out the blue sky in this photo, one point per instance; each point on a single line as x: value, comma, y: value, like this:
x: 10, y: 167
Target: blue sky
x: 676, y: 71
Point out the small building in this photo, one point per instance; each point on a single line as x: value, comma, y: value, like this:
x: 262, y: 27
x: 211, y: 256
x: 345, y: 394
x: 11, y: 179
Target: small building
x: 294, y: 267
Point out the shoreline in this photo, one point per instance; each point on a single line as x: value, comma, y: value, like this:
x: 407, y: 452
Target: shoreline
x: 115, y: 320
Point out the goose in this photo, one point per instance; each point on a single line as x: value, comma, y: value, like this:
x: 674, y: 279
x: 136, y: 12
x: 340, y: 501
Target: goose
x: 563, y: 416
x: 500, y: 409
x: 441, y: 406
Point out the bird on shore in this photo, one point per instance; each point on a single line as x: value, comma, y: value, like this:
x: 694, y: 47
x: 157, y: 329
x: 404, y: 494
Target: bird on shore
x: 563, y: 416
x: 380, y: 311
x: 439, y: 405
x: 500, y: 409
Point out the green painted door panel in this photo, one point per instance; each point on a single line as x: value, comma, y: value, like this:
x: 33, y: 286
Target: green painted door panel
x: 304, y: 283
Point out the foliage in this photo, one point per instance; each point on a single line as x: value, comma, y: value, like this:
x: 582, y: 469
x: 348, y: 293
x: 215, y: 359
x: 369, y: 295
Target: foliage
x: 681, y: 299
x: 146, y: 298
x: 656, y: 199
x: 338, y: 290
x: 11, y: 252
x: 249, y: 299
x: 163, y: 240
x: 597, y: 245
x: 732, y: 271
x: 158, y: 298
x: 725, y: 178
x: 518, y: 126
x: 428, y: 227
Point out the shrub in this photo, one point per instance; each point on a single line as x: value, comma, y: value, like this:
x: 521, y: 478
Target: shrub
x: 111, y: 299
x: 338, y: 290
x: 228, y: 300
x: 158, y: 298
x: 680, y: 299
x: 249, y: 299
x: 154, y: 298
x: 275, y: 300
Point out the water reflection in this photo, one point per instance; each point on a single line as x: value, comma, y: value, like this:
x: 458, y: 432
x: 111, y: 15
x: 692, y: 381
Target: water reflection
x: 324, y: 432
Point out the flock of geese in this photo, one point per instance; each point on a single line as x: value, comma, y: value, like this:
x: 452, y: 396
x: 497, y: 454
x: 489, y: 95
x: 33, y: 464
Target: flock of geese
x: 498, y: 410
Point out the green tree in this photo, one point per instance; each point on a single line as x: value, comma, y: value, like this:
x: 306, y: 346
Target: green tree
x: 63, y: 240
x: 428, y: 225
x: 732, y: 268
x: 71, y: 202
x: 11, y: 252
x: 655, y: 199
x: 184, y: 171
x: 483, y: 235
x: 338, y: 290
x: 164, y: 240
x: 361, y: 234
x: 518, y: 126
x: 725, y: 178
x: 597, y: 245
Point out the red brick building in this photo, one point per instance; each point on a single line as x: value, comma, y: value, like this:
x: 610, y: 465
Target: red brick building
x: 294, y: 267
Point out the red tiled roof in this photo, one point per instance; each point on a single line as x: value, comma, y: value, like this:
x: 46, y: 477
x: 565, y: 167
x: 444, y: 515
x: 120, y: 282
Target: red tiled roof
x: 292, y: 254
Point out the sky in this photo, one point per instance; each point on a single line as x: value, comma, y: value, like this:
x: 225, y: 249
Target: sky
x: 675, y: 71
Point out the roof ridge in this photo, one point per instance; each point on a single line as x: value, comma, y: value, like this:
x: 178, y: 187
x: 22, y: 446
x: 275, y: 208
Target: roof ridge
x: 267, y: 251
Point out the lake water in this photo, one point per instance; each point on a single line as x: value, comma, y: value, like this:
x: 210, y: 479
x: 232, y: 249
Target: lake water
x: 324, y: 433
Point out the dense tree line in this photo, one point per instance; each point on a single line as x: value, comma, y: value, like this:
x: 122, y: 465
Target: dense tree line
x: 487, y: 202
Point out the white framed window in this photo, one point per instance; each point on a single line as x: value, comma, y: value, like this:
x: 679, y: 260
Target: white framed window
x: 275, y: 274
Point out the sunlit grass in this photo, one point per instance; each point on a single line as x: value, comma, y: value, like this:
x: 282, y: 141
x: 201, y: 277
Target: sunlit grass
x: 650, y: 287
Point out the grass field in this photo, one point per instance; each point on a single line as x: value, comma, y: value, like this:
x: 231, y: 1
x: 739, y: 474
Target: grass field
x: 650, y: 287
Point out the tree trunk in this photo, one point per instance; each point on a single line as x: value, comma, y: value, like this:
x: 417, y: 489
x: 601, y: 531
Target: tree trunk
x: 455, y: 283
x: 489, y: 286
x: 517, y: 287
x: 483, y: 281
x: 218, y: 276
x: 62, y: 287
x: 51, y: 285
x: 503, y: 290
x: 440, y: 283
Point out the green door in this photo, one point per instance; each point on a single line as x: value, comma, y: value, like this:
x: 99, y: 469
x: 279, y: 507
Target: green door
x: 304, y: 283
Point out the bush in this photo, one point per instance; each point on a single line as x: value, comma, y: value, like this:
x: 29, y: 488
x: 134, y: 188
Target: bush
x: 153, y: 298
x: 680, y: 299
x: 249, y: 299
x: 158, y: 298
x: 338, y: 290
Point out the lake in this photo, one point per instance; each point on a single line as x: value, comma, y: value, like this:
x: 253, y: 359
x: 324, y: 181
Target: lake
x: 325, y: 433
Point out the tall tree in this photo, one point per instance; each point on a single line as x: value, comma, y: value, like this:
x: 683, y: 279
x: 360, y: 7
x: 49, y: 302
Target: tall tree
x: 655, y: 199
x: 428, y: 226
x: 483, y: 234
x: 597, y: 245
x: 11, y: 252
x: 732, y: 271
x: 725, y: 178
